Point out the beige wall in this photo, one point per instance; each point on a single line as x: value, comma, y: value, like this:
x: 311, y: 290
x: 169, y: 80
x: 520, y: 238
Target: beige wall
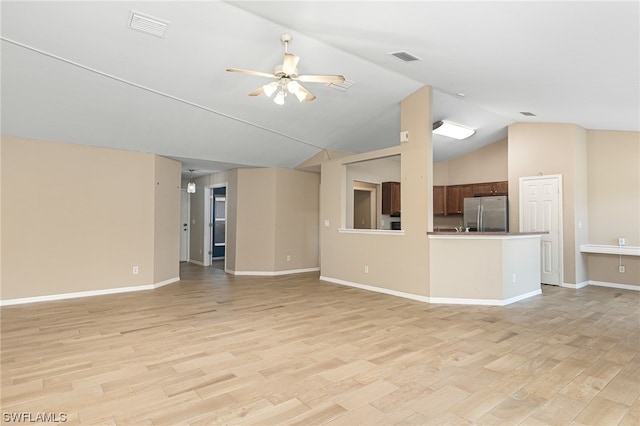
x: 256, y: 233
x: 166, y: 242
x: 488, y: 270
x: 297, y: 217
x: 395, y: 262
x: 487, y: 164
x: 77, y: 218
x: 613, y: 159
x: 549, y: 149
x: 272, y: 213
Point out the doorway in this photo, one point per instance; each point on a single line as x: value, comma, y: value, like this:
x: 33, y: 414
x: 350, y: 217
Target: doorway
x: 365, y: 205
x: 184, y: 225
x: 218, y: 225
x: 361, y: 209
x: 541, y: 211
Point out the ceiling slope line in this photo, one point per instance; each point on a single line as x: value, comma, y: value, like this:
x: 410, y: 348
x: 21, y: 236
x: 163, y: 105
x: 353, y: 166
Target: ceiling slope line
x: 157, y: 92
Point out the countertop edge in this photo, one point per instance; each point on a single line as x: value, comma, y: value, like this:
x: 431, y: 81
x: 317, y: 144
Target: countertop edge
x: 484, y: 235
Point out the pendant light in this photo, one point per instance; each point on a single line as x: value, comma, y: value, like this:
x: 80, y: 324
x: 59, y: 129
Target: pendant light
x: 191, y: 185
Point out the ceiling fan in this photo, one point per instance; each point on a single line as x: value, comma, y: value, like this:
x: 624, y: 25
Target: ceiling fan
x: 287, y: 78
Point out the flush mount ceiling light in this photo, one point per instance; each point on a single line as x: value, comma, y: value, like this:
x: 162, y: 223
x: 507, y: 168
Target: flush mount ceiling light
x: 191, y: 186
x: 451, y: 130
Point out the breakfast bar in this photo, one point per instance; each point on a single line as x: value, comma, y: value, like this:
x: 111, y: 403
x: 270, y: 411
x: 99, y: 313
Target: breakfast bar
x: 484, y: 268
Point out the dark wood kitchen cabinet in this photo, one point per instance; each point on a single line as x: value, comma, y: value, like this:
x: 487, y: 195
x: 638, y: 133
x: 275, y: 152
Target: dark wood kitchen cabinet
x: 438, y: 200
x: 391, y: 198
x: 455, y: 195
x: 491, y: 188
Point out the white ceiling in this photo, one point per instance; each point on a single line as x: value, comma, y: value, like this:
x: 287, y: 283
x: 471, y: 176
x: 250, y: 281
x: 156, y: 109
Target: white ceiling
x: 73, y: 72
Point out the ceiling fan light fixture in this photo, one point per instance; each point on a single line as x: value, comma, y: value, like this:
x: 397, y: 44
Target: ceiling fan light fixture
x: 301, y: 95
x: 451, y: 130
x: 279, y: 99
x: 293, y: 87
x: 269, y: 89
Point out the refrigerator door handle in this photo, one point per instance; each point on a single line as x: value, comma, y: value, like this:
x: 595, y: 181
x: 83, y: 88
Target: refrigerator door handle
x: 478, y: 219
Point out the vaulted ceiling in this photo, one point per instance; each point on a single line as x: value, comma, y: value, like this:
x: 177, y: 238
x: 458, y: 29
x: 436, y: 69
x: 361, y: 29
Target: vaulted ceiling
x: 74, y: 72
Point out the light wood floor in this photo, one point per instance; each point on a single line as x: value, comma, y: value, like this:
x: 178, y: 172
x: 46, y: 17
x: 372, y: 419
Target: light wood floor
x: 218, y: 349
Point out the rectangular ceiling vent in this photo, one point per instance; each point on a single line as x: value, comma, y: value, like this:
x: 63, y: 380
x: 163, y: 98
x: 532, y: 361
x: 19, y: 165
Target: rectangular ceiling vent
x: 405, y: 56
x: 527, y: 113
x: 343, y: 87
x: 147, y: 24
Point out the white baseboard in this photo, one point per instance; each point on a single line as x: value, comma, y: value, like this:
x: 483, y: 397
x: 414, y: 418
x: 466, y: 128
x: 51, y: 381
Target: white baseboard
x: 576, y: 286
x: 197, y: 262
x: 615, y: 285
x: 377, y: 289
x: 75, y: 295
x: 435, y: 300
x: 271, y: 273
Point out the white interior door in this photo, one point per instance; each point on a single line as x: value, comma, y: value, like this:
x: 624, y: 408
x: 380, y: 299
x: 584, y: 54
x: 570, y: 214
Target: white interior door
x: 184, y: 226
x: 541, y: 210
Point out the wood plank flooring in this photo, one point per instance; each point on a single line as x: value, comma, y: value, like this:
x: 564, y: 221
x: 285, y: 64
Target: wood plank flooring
x: 292, y: 350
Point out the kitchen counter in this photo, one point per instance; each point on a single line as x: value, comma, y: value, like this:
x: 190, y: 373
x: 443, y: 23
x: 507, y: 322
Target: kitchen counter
x: 484, y: 268
x: 485, y: 234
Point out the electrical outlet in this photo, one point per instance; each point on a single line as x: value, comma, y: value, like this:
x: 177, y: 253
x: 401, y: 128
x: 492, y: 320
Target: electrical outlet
x: 621, y: 269
x: 135, y: 270
x: 288, y: 258
x: 621, y: 241
x: 513, y: 278
x: 366, y: 269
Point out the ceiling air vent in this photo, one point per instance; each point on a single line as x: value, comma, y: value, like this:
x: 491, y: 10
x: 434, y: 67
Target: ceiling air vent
x: 147, y: 24
x: 405, y: 56
x: 527, y: 113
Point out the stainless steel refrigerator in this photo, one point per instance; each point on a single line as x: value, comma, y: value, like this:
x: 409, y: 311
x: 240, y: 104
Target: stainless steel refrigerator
x: 486, y: 214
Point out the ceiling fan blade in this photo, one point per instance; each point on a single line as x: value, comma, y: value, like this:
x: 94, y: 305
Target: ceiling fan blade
x: 257, y: 92
x: 309, y: 96
x: 290, y: 63
x: 257, y: 73
x: 321, y: 78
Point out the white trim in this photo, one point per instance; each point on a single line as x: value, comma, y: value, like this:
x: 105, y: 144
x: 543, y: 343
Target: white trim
x: 90, y: 293
x: 576, y: 286
x: 166, y: 282
x: 370, y: 231
x: 486, y: 302
x: 615, y: 285
x: 271, y: 273
x: 435, y: 300
x: 377, y: 289
x: 610, y: 249
x: 197, y: 262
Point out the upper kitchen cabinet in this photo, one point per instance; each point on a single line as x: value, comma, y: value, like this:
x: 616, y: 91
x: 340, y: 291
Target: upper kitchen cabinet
x: 491, y: 188
x: 455, y: 195
x: 438, y: 200
x: 391, y: 198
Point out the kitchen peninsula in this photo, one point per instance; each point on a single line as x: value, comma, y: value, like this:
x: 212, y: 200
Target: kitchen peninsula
x: 484, y: 268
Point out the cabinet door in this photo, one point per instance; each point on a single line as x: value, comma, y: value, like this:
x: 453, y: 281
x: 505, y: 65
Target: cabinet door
x: 438, y: 200
x: 391, y: 198
x: 484, y: 188
x: 453, y: 200
x: 502, y: 188
x: 466, y: 191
